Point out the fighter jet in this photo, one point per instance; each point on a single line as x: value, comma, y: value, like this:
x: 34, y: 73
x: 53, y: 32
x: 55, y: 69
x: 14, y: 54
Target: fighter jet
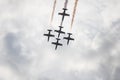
x: 68, y: 38
x: 57, y: 43
x: 63, y: 15
x: 60, y: 31
x: 49, y: 34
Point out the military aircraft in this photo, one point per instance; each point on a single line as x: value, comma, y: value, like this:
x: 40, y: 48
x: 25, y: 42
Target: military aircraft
x: 57, y: 43
x: 68, y: 38
x: 60, y: 31
x: 63, y: 15
x: 49, y: 34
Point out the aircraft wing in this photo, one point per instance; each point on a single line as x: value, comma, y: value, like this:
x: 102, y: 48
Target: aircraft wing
x: 64, y: 14
x: 59, y: 44
x: 54, y: 43
x: 68, y: 38
x: 71, y: 39
x: 60, y: 13
x: 62, y: 32
x: 45, y: 34
x: 56, y: 31
x: 65, y: 38
x: 67, y: 14
x: 52, y: 35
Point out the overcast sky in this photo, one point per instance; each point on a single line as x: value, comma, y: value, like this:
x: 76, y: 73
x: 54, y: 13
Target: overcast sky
x: 25, y: 53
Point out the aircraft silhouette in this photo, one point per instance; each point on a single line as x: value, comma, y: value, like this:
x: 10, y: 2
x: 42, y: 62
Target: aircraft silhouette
x: 63, y: 15
x: 68, y: 38
x: 60, y: 31
x: 49, y: 34
x: 57, y: 43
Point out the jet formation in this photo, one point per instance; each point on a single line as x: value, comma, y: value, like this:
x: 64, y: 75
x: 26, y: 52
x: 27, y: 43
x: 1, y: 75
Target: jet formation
x: 60, y: 31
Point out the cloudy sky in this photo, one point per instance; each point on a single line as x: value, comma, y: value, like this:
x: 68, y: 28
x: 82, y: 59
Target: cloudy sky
x: 25, y: 53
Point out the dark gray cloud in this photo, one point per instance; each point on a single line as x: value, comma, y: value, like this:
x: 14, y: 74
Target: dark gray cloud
x: 116, y: 74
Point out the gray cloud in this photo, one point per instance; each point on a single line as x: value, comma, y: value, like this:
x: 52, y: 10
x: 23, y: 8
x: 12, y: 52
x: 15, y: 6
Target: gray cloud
x: 26, y: 55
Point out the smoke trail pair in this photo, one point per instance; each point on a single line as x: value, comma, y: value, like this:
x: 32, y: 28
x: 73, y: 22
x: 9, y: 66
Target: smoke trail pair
x: 65, y: 6
x: 54, y: 7
x: 74, y: 12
